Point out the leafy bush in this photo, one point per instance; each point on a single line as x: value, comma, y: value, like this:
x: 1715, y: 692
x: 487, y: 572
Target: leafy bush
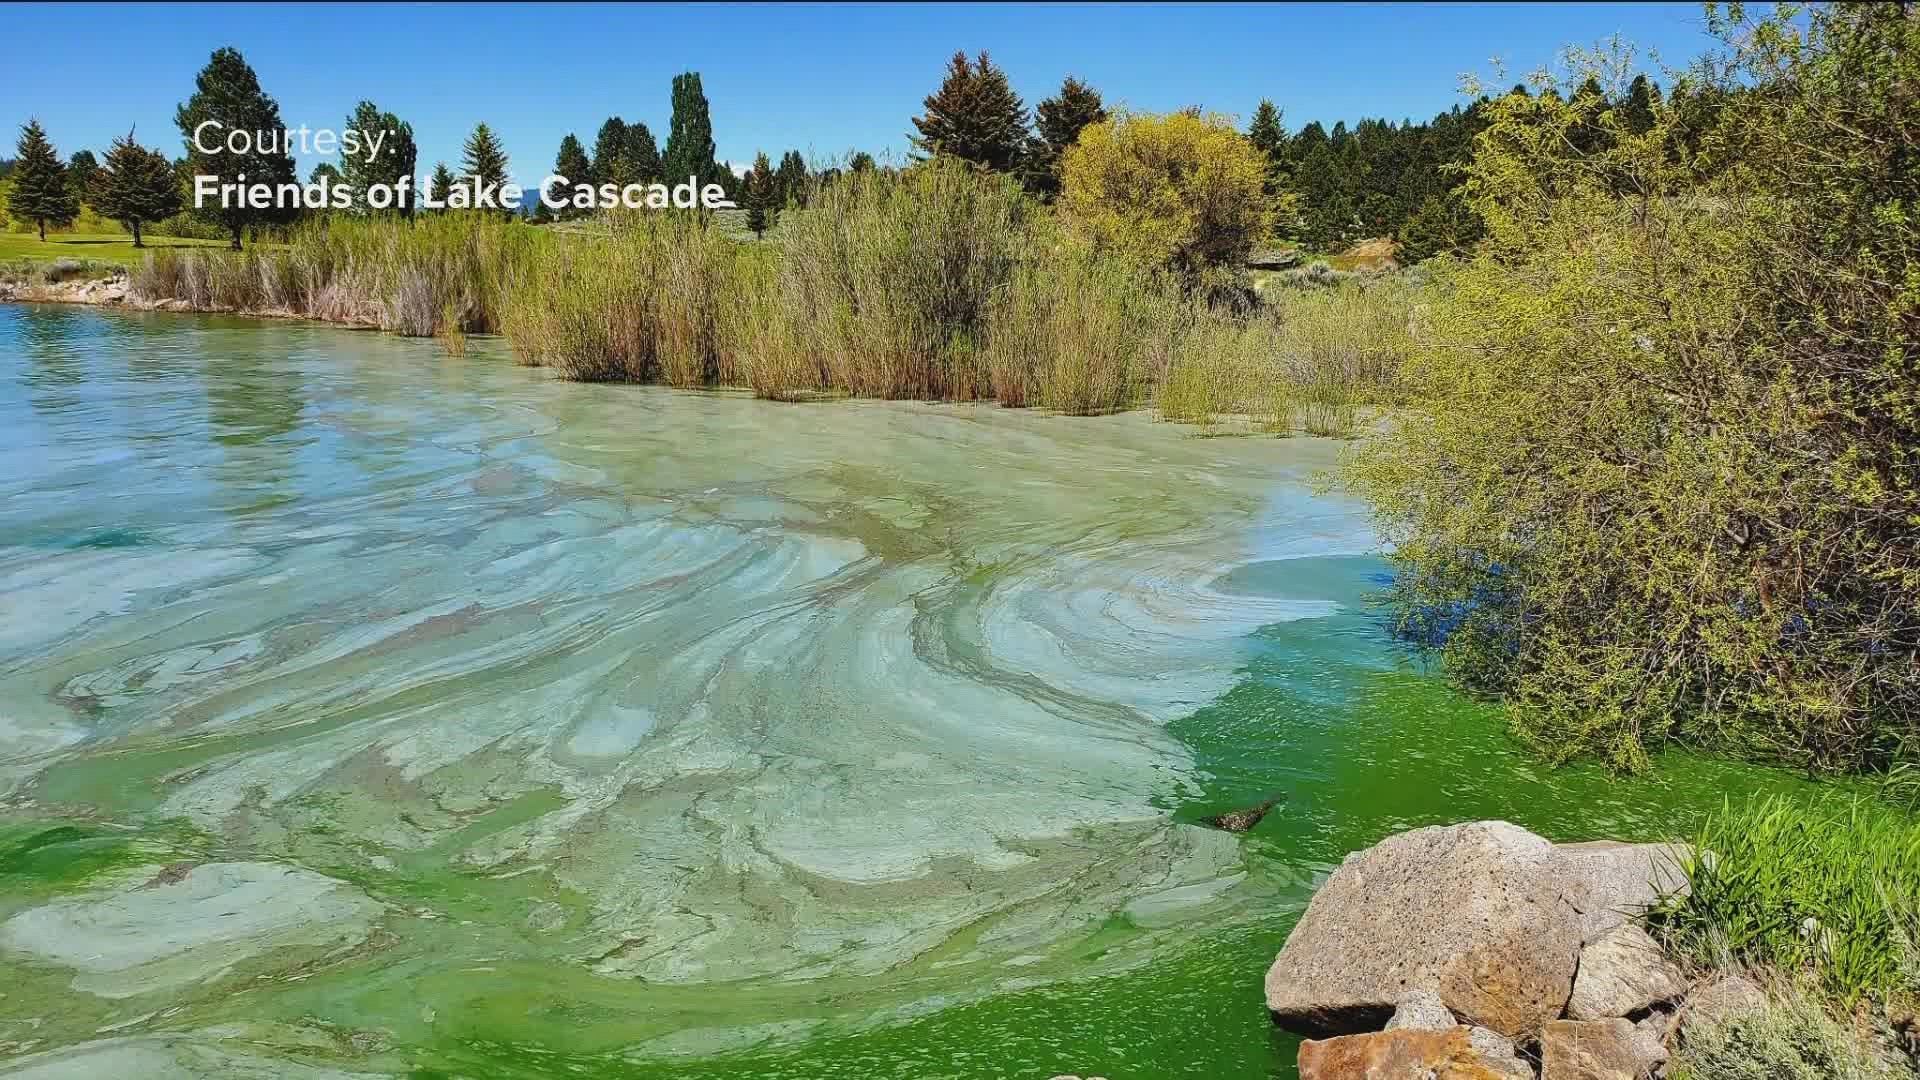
x: 1829, y: 888
x: 1183, y: 191
x: 1661, y: 456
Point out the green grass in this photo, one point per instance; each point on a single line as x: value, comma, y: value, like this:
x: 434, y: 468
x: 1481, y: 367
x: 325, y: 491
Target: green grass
x: 102, y: 247
x: 1827, y: 888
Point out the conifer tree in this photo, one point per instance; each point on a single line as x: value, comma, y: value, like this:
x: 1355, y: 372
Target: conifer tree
x: 228, y: 91
x: 136, y: 186
x: 442, y: 181
x: 41, y: 192
x: 610, y: 154
x: 397, y: 157
x: 1059, y: 121
x: 485, y: 161
x: 790, y: 181
x: 1636, y: 112
x: 642, y: 154
x: 760, y: 193
x: 571, y: 162
x: 690, y: 139
x: 82, y: 169
x: 974, y: 116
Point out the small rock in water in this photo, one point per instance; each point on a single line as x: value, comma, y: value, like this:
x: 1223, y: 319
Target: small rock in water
x: 1242, y: 820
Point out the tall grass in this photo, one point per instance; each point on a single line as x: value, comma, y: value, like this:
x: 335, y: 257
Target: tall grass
x: 1311, y: 360
x: 653, y: 298
x: 935, y: 282
x: 450, y: 271
x: 1829, y: 888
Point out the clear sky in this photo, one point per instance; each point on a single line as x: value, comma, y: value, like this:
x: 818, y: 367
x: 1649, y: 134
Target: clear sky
x: 820, y: 78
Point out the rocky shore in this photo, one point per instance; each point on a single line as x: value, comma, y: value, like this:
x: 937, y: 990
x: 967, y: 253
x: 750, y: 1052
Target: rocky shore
x: 1484, y: 952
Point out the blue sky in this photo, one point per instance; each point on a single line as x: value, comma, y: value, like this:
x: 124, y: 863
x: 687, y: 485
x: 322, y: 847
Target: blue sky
x: 823, y: 79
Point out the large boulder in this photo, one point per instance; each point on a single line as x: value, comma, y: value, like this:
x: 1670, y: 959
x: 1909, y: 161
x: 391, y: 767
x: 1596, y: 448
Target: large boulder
x: 1400, y: 1054
x: 1471, y: 912
x: 1612, y: 882
x: 1597, y: 1050
x: 1623, y: 972
x: 1486, y: 915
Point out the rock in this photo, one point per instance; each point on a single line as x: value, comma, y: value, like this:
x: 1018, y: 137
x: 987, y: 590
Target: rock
x: 1402, y: 1054
x: 1622, y: 972
x: 1613, y: 882
x: 1725, y: 997
x: 1597, y: 1050
x: 1497, y: 1051
x: 1242, y: 820
x: 1421, y: 1010
x: 1273, y: 259
x: 1471, y: 912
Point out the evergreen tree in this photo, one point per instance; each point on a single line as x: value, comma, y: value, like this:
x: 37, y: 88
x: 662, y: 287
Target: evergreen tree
x: 228, y: 91
x: 571, y: 162
x: 690, y: 139
x: 642, y: 154
x: 442, y: 181
x: 1059, y: 120
x: 483, y: 160
x: 397, y: 157
x: 790, y: 181
x: 1270, y: 138
x: 861, y: 162
x: 974, y: 116
x: 326, y: 171
x: 137, y: 186
x: 1636, y: 112
x: 82, y: 169
x: 760, y: 193
x: 41, y: 193
x: 610, y: 164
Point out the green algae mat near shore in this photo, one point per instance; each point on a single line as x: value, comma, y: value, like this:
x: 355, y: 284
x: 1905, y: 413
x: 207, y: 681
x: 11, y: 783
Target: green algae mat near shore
x: 368, y: 711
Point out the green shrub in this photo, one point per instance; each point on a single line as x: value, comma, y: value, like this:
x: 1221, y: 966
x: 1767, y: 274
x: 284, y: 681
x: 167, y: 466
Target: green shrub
x: 1829, y: 888
x: 1657, y: 477
x: 1793, y: 1040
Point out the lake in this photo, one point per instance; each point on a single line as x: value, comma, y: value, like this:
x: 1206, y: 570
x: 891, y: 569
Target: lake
x: 367, y: 710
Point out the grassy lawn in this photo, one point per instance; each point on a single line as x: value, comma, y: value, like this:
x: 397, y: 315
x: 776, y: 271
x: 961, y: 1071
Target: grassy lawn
x: 100, y: 247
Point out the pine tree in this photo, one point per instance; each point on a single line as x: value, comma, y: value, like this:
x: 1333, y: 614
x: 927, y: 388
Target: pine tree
x: 485, y: 162
x: 41, y: 193
x: 1636, y: 113
x: 227, y: 91
x: 1059, y: 120
x: 137, y: 186
x: 861, y: 162
x: 442, y: 181
x: 760, y: 194
x: 610, y: 154
x: 1265, y: 131
x: 82, y: 169
x: 571, y: 162
x: 974, y: 116
x: 690, y: 139
x: 397, y: 156
x: 790, y: 181
x: 642, y: 154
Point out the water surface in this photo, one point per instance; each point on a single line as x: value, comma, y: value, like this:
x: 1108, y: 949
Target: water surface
x: 365, y: 710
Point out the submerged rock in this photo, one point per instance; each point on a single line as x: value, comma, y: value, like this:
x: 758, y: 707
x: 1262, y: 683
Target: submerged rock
x: 1243, y: 820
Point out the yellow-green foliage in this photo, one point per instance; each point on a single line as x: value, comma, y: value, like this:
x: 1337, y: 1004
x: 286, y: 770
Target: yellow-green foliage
x: 1183, y: 190
x: 1794, y: 1039
x: 1657, y: 474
